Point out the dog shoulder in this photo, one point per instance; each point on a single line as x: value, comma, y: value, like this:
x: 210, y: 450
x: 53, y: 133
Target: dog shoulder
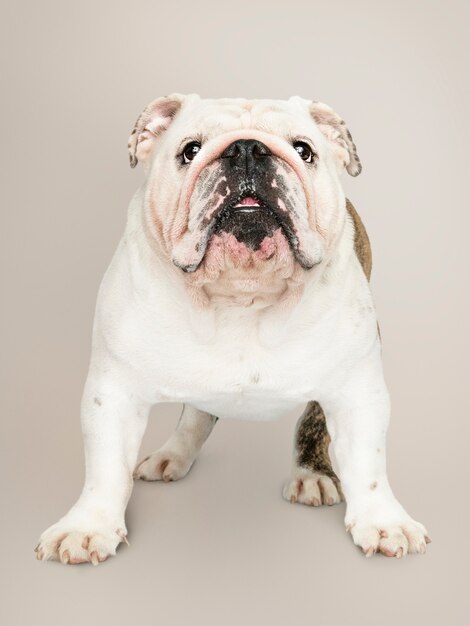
x: 361, y: 240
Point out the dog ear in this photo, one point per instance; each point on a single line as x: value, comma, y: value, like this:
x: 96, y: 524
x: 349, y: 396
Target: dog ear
x: 153, y: 120
x: 337, y: 133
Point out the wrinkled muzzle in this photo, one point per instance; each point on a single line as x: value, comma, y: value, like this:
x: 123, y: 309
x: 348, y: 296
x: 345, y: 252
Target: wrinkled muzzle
x: 252, y: 191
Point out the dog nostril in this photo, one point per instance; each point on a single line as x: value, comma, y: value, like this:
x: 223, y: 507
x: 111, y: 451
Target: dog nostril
x: 259, y: 150
x: 232, y: 152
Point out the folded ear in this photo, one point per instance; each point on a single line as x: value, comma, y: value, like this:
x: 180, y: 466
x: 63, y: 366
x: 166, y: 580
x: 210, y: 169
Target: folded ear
x: 337, y: 133
x: 153, y: 120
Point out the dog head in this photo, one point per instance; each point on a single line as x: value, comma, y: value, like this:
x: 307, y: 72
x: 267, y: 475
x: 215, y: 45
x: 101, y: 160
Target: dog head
x: 243, y: 190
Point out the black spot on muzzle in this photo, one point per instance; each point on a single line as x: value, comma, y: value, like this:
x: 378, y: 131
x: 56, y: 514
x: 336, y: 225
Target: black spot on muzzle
x: 248, y: 226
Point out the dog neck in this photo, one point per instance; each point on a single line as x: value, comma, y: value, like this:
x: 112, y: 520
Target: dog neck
x: 254, y: 287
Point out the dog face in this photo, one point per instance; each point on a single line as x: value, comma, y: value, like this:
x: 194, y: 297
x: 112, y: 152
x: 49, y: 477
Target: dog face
x: 249, y: 187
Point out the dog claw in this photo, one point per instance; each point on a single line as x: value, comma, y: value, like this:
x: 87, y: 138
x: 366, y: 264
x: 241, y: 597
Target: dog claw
x: 399, y: 553
x: 65, y: 557
x: 94, y: 558
x: 427, y: 539
x: 123, y: 536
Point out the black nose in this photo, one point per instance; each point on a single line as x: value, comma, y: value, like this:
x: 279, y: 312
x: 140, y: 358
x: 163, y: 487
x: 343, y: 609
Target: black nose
x: 246, y: 153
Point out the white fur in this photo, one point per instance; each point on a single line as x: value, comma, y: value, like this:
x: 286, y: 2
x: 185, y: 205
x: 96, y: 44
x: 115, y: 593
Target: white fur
x: 151, y: 344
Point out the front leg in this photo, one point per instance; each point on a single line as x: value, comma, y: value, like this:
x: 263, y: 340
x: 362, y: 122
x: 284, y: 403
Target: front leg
x: 113, y: 424
x: 358, y: 416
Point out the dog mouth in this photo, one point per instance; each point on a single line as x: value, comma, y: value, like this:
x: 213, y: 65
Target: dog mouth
x: 247, y: 204
x: 250, y: 218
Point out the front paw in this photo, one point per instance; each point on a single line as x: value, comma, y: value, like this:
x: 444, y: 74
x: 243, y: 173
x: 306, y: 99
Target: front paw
x: 389, y: 534
x: 72, y: 543
x: 165, y: 464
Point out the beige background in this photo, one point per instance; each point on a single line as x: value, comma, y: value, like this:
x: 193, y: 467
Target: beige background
x: 222, y: 547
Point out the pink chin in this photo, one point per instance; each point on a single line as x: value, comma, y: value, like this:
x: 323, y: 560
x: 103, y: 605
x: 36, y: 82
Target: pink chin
x: 242, y: 256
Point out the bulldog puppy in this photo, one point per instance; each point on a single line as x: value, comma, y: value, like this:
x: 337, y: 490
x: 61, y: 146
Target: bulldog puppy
x: 240, y: 289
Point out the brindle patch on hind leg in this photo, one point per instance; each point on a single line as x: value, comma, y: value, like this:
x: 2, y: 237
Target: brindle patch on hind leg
x: 313, y: 480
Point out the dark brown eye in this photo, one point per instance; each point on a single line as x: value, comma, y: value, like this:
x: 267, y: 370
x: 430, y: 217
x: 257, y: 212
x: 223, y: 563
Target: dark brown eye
x: 190, y: 151
x: 304, y: 151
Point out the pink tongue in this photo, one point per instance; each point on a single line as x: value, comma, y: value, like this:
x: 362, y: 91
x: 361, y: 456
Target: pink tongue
x: 248, y: 201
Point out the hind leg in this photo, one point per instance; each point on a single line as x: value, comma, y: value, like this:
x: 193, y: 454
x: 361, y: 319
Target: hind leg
x: 174, y: 460
x: 312, y: 481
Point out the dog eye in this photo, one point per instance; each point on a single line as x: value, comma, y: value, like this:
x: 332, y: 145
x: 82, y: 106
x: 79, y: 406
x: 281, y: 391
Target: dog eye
x: 304, y: 151
x: 190, y: 150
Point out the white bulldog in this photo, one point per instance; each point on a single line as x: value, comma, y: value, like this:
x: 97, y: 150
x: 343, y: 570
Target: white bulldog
x: 240, y: 288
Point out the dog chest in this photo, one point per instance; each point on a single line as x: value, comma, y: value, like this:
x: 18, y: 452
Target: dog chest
x: 234, y: 374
